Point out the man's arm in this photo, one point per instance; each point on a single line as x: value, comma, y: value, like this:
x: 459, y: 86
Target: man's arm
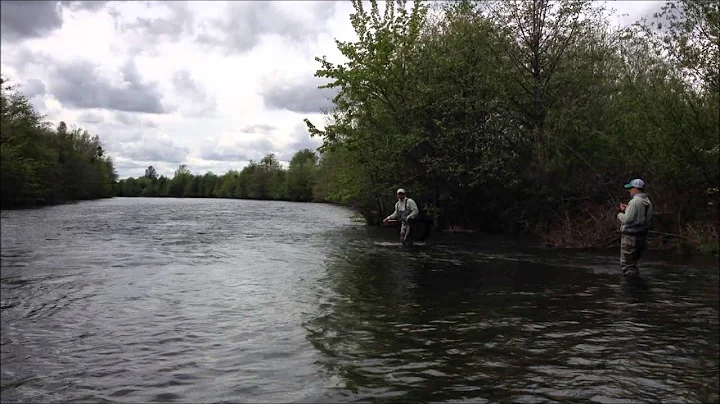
x: 629, y: 213
x: 413, y: 210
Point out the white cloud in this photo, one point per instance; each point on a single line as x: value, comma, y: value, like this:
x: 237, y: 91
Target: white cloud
x: 207, y: 84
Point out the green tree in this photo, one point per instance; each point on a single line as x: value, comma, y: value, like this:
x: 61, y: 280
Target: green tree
x: 192, y: 187
x: 209, y: 182
x: 179, y: 182
x: 277, y: 185
x: 373, y: 95
x: 43, y: 166
x: 301, y: 173
x: 151, y: 173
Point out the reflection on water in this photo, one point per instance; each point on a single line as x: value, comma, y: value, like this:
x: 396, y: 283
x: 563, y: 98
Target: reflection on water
x: 133, y: 300
x: 463, y: 326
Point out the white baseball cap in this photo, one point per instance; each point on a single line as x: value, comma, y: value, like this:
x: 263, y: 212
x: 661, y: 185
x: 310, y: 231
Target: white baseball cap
x: 636, y: 183
x: 400, y: 191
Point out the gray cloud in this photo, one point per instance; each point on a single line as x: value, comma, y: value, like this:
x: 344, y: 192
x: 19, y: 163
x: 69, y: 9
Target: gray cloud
x: 152, y: 149
x: 123, y: 164
x: 200, y: 103
x: 133, y: 120
x: 94, y: 5
x: 303, y: 140
x: 245, y: 23
x: 225, y: 155
x: 184, y: 84
x: 179, y: 24
x: 118, y: 122
x: 300, y: 140
x: 115, y: 137
x: 90, y: 117
x: 302, y: 96
x: 112, y: 134
x: 78, y: 84
x: 23, y: 57
x: 149, y: 124
x: 262, y: 128
x: 35, y: 91
x: 248, y: 150
x: 125, y: 118
x: 20, y: 20
x: 34, y: 87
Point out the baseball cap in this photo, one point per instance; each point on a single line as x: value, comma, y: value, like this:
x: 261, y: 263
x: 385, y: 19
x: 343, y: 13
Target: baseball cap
x: 636, y: 183
x: 400, y: 191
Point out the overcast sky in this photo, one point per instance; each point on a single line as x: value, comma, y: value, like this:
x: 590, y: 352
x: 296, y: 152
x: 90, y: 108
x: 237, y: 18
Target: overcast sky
x: 207, y: 84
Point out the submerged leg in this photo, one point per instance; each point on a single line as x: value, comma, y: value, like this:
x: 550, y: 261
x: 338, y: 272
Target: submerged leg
x: 404, y: 232
x: 631, y: 248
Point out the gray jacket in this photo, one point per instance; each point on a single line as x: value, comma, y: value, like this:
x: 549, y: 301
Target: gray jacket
x: 637, y: 217
x: 405, y: 205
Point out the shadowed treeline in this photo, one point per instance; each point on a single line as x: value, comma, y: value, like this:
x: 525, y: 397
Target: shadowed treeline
x: 42, y: 166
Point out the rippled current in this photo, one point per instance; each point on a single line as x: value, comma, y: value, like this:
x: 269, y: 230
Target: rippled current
x: 189, y: 300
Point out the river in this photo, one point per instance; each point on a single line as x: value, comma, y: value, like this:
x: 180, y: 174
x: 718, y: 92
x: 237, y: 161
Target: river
x: 197, y: 300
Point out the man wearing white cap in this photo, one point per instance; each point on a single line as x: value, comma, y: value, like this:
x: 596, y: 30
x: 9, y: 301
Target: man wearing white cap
x: 636, y: 220
x: 405, y: 209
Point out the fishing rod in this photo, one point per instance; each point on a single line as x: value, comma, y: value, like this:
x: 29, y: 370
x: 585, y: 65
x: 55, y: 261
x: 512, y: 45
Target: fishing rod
x: 397, y: 184
x: 615, y: 202
x: 612, y: 196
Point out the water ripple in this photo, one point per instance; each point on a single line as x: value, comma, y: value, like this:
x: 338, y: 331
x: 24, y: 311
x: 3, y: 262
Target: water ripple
x: 136, y: 300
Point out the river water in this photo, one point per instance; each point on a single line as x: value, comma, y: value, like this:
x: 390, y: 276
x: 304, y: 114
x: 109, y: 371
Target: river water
x: 192, y: 300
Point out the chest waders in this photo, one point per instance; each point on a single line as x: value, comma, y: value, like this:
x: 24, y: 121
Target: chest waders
x: 404, y: 225
x: 632, y: 246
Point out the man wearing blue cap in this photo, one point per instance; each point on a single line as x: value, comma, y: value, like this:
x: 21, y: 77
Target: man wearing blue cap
x: 636, y: 221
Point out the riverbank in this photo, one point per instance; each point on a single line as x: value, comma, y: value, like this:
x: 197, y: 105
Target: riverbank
x: 590, y: 234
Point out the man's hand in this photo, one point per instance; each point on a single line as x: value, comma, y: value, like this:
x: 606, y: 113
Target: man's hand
x: 386, y: 220
x: 623, y: 207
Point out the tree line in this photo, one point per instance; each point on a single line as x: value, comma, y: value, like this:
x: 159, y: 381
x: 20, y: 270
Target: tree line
x: 40, y: 165
x: 528, y: 116
x: 513, y: 116
x: 266, y: 180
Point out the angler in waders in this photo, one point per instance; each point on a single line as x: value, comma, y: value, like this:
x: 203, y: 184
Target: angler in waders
x: 405, y: 209
x: 636, y: 220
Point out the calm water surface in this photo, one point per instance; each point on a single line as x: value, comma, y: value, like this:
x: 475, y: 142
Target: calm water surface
x: 138, y: 300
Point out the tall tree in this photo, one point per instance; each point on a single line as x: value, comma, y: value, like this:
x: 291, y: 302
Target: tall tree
x: 151, y: 173
x: 373, y: 94
x: 542, y: 31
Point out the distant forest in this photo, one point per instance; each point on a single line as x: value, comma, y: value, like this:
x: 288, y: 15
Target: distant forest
x: 265, y: 179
